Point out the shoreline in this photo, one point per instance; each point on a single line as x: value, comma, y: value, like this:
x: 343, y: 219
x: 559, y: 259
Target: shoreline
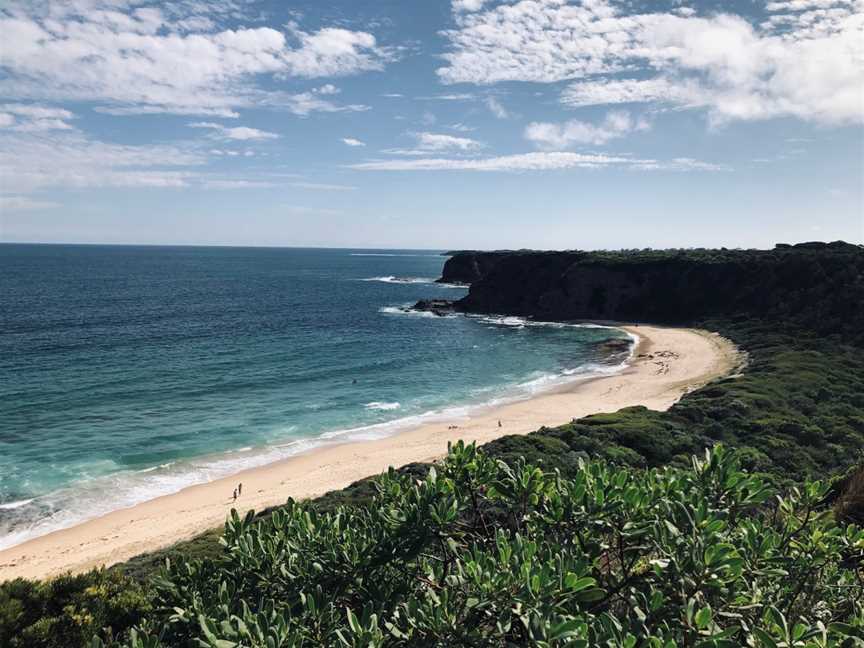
x: 665, y: 364
x: 178, y: 474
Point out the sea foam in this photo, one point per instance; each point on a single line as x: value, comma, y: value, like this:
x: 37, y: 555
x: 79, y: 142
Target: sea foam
x: 401, y: 280
x: 406, y: 309
x: 99, y: 493
x: 26, y: 519
x: 8, y: 506
x: 379, y: 405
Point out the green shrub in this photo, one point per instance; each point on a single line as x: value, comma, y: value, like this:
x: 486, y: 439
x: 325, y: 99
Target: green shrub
x: 482, y: 553
x: 69, y: 610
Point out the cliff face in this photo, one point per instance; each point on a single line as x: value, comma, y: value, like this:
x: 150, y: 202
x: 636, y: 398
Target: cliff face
x: 818, y: 285
x: 469, y: 266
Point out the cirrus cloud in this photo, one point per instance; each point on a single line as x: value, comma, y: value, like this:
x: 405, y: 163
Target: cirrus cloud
x: 322, y: 186
x: 554, y: 160
x: 33, y: 118
x: 68, y: 159
x: 12, y: 203
x: 428, y: 143
x: 242, y: 133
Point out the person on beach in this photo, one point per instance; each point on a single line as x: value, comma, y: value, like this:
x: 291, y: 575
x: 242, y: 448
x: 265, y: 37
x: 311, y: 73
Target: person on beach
x: 240, y: 489
x: 235, y: 494
x: 499, y: 423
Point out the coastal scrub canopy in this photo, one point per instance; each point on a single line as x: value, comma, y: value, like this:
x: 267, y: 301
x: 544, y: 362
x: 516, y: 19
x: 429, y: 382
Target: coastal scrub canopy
x: 481, y: 553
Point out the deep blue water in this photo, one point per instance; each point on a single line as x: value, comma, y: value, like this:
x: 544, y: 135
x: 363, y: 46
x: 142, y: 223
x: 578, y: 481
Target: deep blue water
x: 130, y: 372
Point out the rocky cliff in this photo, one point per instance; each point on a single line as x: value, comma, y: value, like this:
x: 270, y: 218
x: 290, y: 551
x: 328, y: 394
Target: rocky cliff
x: 816, y: 284
x: 469, y: 266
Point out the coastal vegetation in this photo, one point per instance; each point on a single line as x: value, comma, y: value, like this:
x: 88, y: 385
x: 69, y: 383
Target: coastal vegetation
x: 796, y: 410
x: 615, y: 529
x: 69, y: 610
x: 480, y: 552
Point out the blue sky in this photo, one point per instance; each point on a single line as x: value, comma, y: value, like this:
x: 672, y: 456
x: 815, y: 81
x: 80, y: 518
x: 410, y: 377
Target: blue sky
x: 432, y: 124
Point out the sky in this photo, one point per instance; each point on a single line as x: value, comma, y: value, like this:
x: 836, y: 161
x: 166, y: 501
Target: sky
x: 432, y: 123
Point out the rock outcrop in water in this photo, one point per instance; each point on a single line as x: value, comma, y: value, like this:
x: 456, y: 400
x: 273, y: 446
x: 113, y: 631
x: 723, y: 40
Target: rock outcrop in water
x: 817, y: 284
x: 440, y: 307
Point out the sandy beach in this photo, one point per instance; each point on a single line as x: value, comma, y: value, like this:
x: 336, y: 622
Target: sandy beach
x: 667, y: 363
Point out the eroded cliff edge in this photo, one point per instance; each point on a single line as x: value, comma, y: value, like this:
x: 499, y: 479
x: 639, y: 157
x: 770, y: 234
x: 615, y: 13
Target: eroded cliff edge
x: 468, y: 266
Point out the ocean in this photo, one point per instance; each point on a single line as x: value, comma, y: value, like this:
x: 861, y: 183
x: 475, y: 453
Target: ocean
x: 129, y: 372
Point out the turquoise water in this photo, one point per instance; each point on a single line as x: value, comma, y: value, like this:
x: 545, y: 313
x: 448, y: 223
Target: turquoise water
x: 131, y: 372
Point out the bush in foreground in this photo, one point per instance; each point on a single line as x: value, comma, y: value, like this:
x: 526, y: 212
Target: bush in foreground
x: 68, y: 611
x: 479, y: 553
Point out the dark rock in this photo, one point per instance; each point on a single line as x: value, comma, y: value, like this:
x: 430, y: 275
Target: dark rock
x: 616, y: 344
x: 818, y: 285
x: 440, y: 307
x: 464, y: 268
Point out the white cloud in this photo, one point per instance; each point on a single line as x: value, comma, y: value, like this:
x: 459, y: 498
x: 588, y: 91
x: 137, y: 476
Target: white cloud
x: 319, y: 186
x: 350, y: 141
x: 541, y: 161
x: 529, y: 40
x: 300, y: 210
x: 440, y: 142
x: 468, y: 5
x: 327, y: 89
x: 685, y: 11
x: 305, y: 103
x: 69, y: 160
x: 428, y: 143
x: 23, y: 203
x: 332, y: 52
x: 38, y: 125
x: 34, y: 118
x: 29, y: 162
x: 200, y: 111
x: 35, y: 111
x: 462, y: 96
x: 801, y: 5
x: 496, y: 108
x: 236, y: 184
x: 242, y: 133
x: 807, y: 63
x: 232, y: 153
x: 144, y: 62
x: 615, y: 91
x: 617, y: 123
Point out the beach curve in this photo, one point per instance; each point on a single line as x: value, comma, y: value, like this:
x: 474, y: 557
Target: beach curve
x: 667, y: 363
